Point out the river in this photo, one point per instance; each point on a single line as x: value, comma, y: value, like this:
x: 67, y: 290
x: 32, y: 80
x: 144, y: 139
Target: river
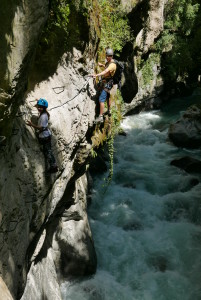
x: 146, y: 226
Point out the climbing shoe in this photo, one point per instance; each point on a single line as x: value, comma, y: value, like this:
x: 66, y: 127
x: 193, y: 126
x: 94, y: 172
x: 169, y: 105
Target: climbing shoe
x: 99, y: 119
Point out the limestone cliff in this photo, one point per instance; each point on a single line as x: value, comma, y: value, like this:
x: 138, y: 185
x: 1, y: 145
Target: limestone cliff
x: 142, y: 63
x: 164, y: 59
x: 21, y: 24
x: 44, y: 231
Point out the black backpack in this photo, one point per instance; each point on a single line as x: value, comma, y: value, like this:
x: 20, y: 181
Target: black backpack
x: 118, y: 74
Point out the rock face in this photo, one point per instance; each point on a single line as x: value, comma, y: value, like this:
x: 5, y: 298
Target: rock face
x: 65, y: 246
x: 21, y: 25
x: 146, y: 20
x: 186, y: 132
x: 44, y: 231
x: 29, y: 198
x: 5, y: 294
x: 149, y: 80
x: 154, y: 25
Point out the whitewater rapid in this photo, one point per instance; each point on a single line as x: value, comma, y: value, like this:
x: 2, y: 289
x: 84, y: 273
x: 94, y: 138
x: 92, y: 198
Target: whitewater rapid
x: 146, y: 224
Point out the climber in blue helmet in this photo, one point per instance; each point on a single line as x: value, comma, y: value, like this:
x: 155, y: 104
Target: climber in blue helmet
x: 44, y: 133
x: 42, y: 102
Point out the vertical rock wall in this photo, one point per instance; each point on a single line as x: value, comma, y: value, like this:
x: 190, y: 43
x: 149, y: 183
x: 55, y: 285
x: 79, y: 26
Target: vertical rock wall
x: 36, y: 208
x: 21, y: 25
x: 44, y: 230
x: 65, y: 247
x: 146, y: 20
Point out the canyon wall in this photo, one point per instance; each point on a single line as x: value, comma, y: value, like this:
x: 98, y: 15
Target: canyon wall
x: 44, y: 231
x: 143, y: 82
x: 43, y: 220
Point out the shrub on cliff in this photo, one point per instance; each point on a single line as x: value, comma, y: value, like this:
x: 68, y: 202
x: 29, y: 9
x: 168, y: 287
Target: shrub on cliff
x: 180, y: 41
x: 115, y: 30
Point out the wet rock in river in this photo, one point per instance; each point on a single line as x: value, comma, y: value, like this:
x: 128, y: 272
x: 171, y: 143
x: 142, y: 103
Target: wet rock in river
x: 189, y: 164
x: 186, y: 132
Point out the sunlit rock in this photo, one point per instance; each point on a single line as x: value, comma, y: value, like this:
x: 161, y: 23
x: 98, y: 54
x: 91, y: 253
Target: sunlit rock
x: 4, y: 292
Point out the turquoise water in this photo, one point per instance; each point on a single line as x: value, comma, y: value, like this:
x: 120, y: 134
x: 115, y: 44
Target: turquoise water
x: 146, y: 226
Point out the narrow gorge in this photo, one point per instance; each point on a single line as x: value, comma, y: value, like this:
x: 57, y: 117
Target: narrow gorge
x: 48, y: 50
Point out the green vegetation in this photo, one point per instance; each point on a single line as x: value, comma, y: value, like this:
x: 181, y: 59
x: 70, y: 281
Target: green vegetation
x: 66, y: 27
x: 115, y: 31
x: 116, y: 118
x: 68, y: 19
x: 180, y: 42
x: 58, y: 18
x: 180, y: 16
x: 59, y: 14
x: 105, y: 135
x: 147, y: 67
x: 179, y: 45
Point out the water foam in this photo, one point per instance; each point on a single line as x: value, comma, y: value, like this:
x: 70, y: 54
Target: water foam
x: 146, y: 226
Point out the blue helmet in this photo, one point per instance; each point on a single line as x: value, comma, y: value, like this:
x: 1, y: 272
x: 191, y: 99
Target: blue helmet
x: 42, y: 102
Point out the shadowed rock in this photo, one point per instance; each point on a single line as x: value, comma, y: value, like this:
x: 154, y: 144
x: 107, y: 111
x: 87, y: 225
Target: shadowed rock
x: 189, y: 164
x: 186, y: 132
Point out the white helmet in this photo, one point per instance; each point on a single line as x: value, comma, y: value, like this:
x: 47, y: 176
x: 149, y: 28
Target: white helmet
x: 109, y: 52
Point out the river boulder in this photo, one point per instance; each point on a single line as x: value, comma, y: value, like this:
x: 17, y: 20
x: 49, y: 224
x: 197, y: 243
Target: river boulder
x: 189, y: 164
x: 186, y: 132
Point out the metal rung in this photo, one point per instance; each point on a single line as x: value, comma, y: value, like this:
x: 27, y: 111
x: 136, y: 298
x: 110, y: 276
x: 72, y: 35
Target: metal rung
x: 59, y: 89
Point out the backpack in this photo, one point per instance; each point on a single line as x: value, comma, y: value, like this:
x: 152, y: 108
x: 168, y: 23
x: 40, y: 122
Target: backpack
x: 118, y: 74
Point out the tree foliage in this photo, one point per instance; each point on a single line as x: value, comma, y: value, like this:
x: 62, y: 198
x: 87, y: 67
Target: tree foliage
x: 115, y: 30
x: 180, y: 15
x: 58, y: 17
x: 180, y: 43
